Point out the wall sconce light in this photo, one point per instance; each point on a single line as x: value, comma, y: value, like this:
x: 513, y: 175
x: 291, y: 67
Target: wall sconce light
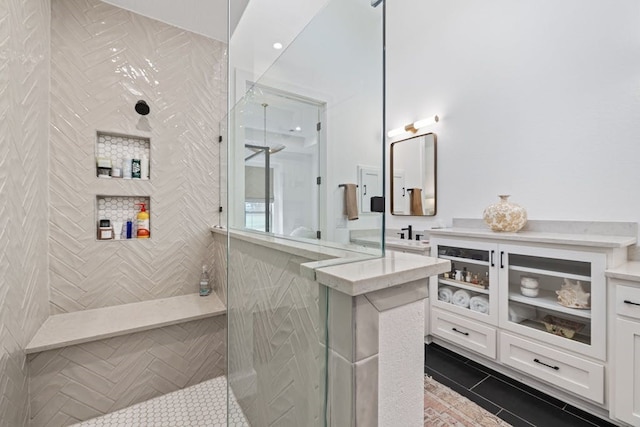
x: 413, y: 127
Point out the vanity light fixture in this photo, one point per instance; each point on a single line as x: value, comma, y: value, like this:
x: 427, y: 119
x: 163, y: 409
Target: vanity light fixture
x: 413, y: 127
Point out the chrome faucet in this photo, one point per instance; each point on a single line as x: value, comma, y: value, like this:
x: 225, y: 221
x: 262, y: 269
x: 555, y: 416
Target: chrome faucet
x: 409, y: 232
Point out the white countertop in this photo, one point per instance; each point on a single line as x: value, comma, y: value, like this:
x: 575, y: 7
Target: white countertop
x: 312, y: 249
x: 592, y: 240
x: 394, y: 243
x: 394, y: 269
x: 78, y: 327
x: 627, y: 271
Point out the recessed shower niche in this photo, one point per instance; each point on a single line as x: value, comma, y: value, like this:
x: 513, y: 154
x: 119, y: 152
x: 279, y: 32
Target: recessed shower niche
x: 118, y: 210
x: 122, y: 156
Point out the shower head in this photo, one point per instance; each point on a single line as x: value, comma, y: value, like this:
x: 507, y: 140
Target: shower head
x: 259, y: 149
x: 272, y: 150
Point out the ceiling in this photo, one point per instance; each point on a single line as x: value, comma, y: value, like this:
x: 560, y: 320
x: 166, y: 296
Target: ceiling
x: 208, y: 18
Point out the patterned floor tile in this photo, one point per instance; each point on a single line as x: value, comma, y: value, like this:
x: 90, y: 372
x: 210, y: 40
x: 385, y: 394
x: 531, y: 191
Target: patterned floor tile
x: 201, y: 405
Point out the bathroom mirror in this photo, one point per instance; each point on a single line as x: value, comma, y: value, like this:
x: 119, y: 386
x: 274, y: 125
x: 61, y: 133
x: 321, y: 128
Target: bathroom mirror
x: 413, y: 176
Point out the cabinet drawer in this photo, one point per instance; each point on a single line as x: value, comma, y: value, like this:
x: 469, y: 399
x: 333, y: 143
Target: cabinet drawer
x: 467, y: 333
x: 628, y: 301
x: 561, y: 369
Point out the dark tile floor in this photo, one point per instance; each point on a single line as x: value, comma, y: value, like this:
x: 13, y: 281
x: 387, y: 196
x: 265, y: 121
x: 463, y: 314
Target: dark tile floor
x: 514, y: 402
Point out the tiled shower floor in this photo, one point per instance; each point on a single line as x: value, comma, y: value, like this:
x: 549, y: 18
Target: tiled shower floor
x: 201, y: 405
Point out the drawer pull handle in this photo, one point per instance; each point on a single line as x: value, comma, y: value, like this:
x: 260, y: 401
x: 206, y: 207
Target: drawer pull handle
x: 501, y: 259
x: 555, y: 368
x: 466, y: 334
x: 493, y: 264
x: 631, y: 302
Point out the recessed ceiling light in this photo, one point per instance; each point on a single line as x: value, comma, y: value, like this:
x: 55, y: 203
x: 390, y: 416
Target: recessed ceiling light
x: 277, y: 46
x: 298, y: 128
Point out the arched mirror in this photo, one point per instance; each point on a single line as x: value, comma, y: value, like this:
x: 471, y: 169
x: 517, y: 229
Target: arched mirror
x: 413, y: 176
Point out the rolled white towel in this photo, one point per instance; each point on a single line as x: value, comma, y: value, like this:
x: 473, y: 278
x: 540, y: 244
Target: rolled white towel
x: 461, y: 298
x: 479, y: 303
x: 519, y: 313
x: 445, y: 293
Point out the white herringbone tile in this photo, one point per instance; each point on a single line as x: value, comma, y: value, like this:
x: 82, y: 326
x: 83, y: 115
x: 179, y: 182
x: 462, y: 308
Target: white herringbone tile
x: 24, y: 93
x: 87, y: 380
x: 103, y: 60
x: 201, y: 405
x: 275, y: 358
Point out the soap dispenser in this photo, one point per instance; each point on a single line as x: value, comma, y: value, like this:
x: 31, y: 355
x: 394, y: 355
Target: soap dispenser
x: 205, y: 287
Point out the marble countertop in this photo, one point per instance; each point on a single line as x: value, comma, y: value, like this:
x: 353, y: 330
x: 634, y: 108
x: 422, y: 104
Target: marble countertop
x: 591, y: 240
x: 394, y: 269
x: 306, y: 248
x: 627, y: 271
x: 394, y: 243
x: 78, y: 327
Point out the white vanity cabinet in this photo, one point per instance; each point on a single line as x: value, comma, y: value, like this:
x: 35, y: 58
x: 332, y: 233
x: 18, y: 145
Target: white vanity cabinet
x: 625, y: 296
x: 552, y: 268
x: 529, y: 330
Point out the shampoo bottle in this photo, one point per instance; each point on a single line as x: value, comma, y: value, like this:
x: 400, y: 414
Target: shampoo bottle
x: 205, y: 288
x: 142, y: 220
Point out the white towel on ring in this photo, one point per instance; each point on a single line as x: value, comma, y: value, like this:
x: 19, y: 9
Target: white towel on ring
x: 461, y: 298
x: 479, y: 303
x: 445, y: 293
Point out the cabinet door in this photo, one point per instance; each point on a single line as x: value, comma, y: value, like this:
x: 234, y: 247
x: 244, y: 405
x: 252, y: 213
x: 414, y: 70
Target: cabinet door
x: 627, y: 371
x: 530, y: 279
x: 471, y: 289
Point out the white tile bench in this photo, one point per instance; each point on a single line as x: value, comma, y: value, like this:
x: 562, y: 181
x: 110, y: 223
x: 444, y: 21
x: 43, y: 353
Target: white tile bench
x: 89, y: 363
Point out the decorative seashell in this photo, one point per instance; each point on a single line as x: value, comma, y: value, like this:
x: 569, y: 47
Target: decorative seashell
x: 572, y: 295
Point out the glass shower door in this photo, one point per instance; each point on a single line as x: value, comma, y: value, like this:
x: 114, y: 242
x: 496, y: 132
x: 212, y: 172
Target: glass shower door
x: 281, y: 136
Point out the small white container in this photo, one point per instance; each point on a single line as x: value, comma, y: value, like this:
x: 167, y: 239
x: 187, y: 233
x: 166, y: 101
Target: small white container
x: 529, y: 282
x: 144, y: 168
x: 529, y: 292
x: 126, y: 168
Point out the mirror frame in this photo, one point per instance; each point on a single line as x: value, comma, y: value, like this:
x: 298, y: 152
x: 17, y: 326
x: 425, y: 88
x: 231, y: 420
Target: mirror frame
x: 435, y: 173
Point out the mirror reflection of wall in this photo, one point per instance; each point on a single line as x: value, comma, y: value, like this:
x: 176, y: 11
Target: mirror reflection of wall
x: 369, y: 185
x: 413, y: 176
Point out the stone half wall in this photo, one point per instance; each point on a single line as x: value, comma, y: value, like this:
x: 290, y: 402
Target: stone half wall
x: 105, y: 59
x: 24, y: 94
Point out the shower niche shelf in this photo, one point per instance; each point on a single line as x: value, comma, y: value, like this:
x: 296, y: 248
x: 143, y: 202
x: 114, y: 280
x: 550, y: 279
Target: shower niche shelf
x: 113, y: 149
x: 119, y: 210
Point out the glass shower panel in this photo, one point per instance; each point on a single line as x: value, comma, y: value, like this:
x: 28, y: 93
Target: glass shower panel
x: 297, y: 132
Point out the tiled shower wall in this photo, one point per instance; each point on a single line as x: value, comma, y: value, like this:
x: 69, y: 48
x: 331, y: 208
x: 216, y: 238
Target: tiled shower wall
x: 24, y: 92
x: 276, y: 361
x: 105, y: 59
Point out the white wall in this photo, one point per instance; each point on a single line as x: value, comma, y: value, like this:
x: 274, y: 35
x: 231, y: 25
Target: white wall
x: 538, y: 99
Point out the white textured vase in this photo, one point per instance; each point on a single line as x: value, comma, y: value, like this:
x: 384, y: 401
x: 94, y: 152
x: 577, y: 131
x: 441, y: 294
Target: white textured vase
x: 505, y: 216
